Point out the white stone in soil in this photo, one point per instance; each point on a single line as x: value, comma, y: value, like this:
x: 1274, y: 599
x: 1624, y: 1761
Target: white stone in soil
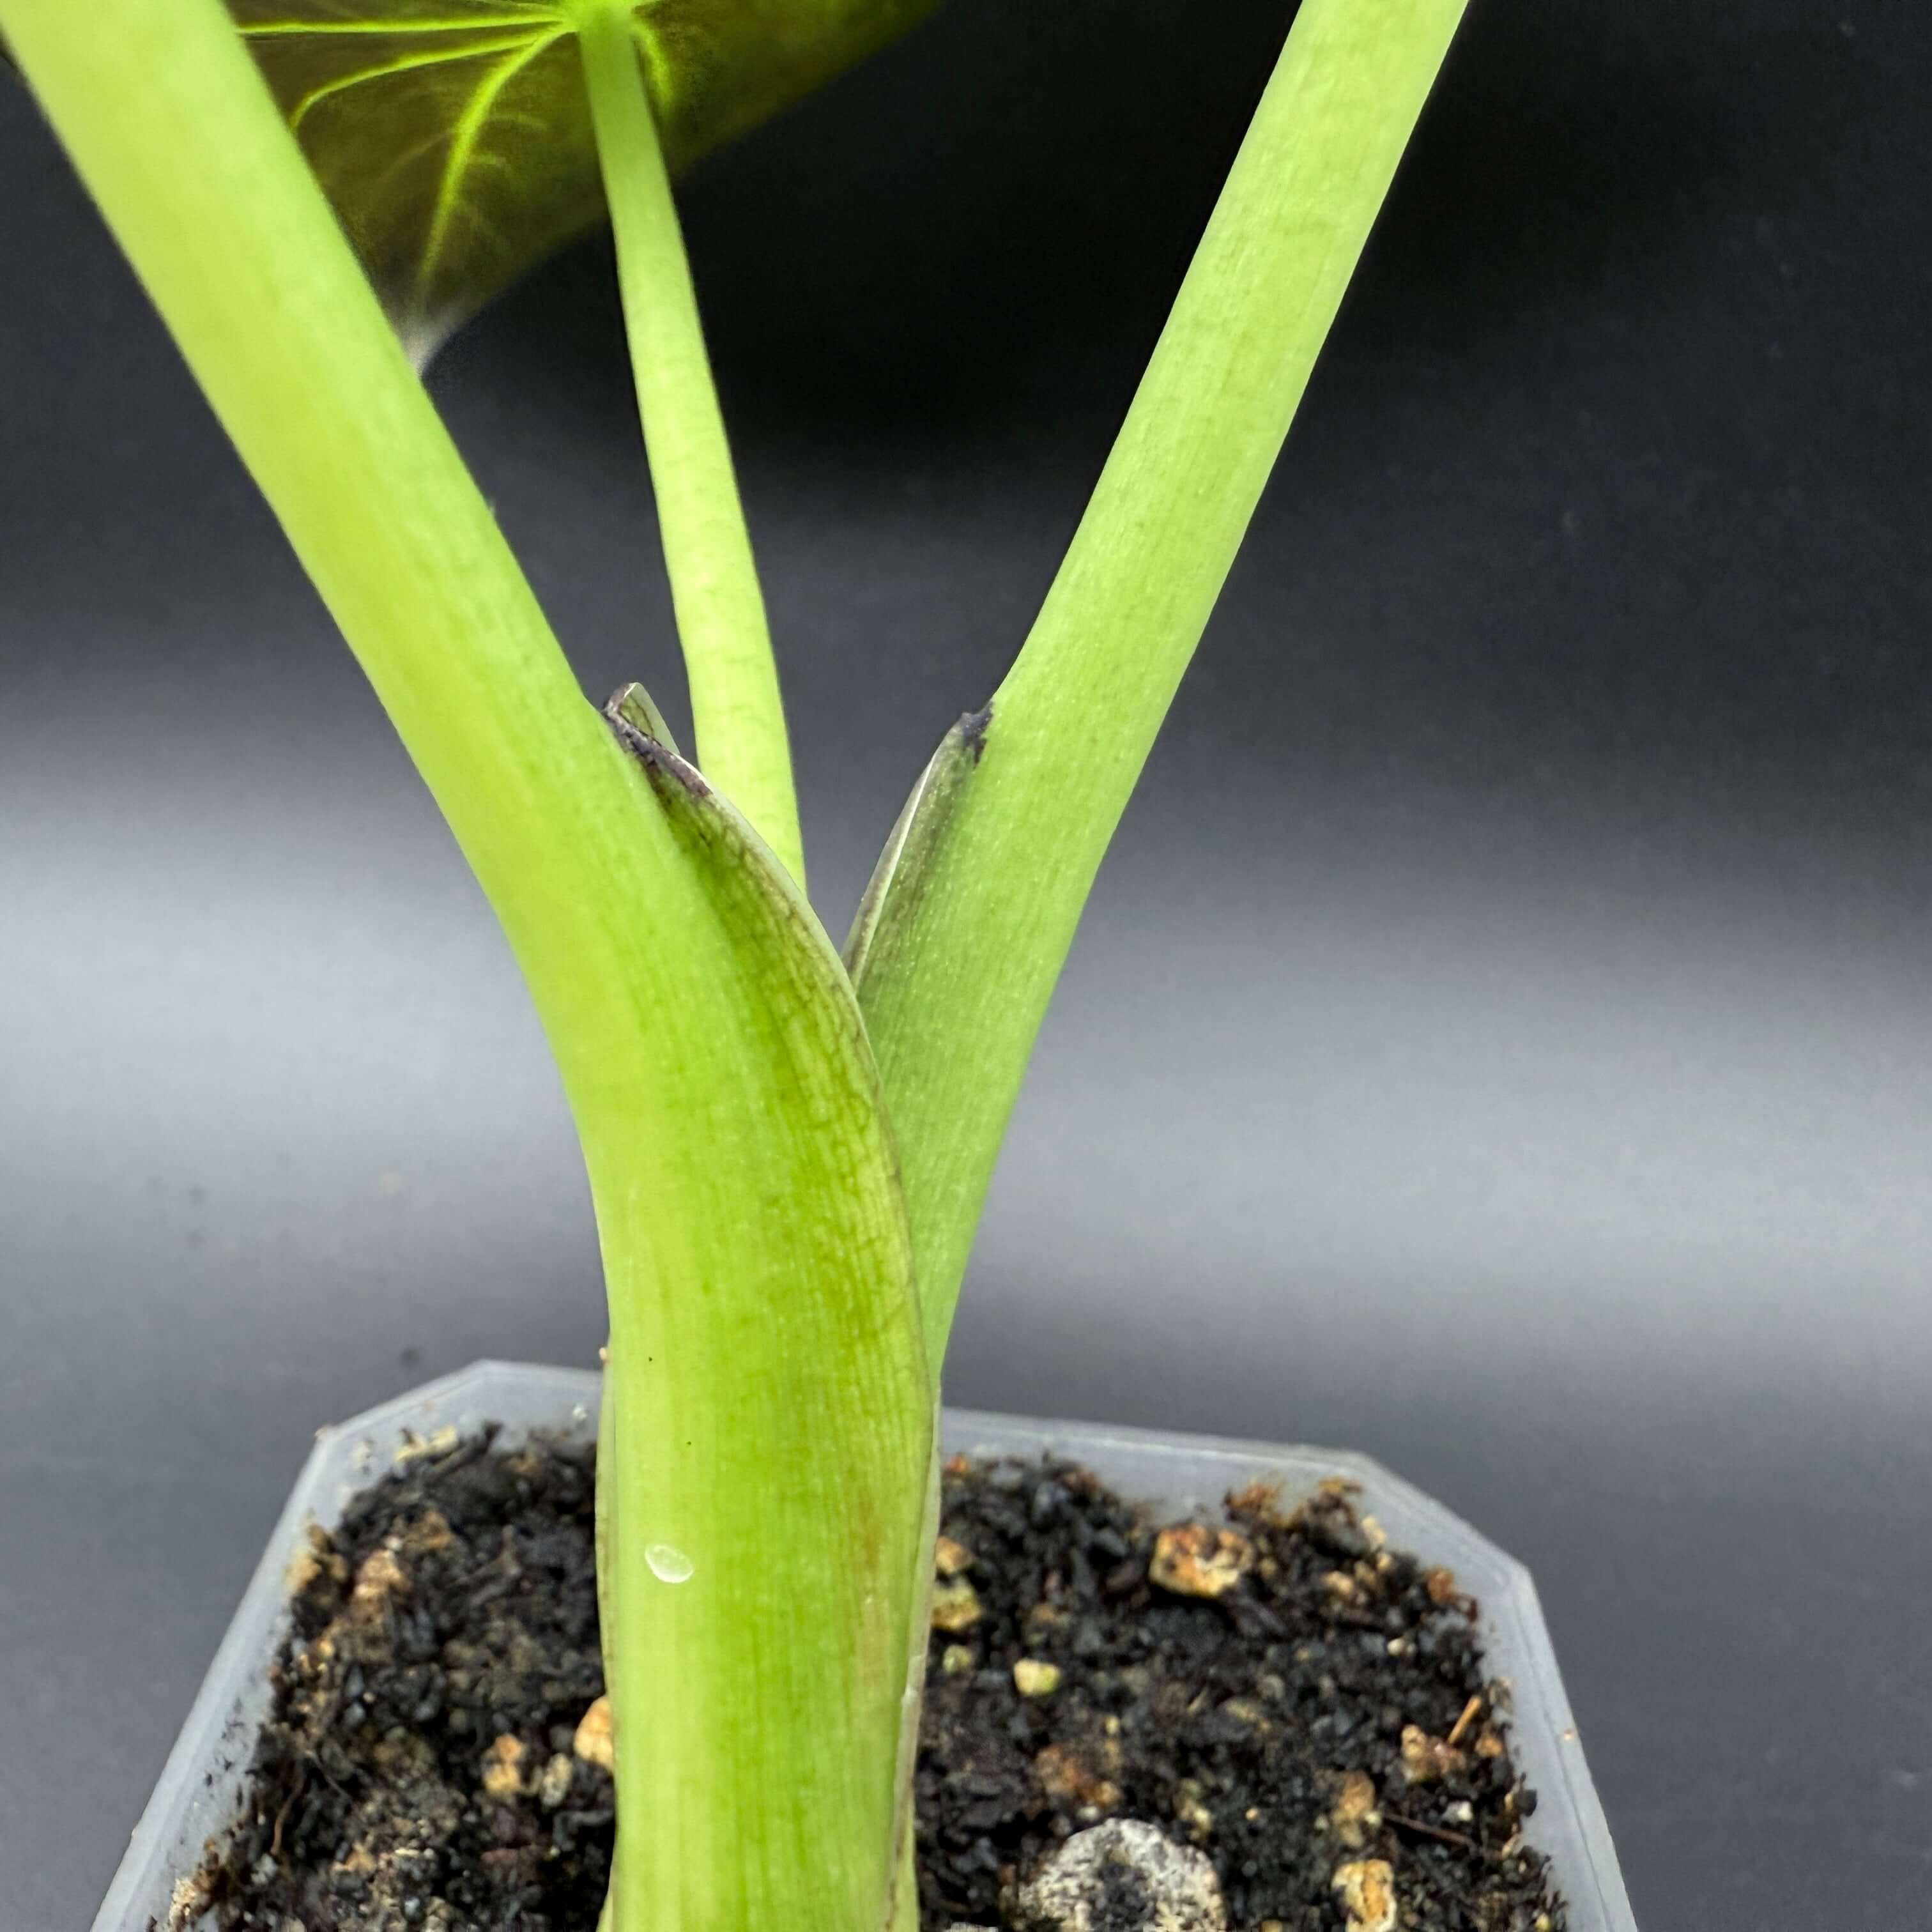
x: 1124, y: 1876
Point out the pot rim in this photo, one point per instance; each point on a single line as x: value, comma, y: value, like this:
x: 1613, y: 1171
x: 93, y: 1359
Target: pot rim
x: 197, y: 1794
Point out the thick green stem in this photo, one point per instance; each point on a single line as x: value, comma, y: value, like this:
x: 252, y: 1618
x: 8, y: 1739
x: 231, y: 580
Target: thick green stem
x: 172, y: 131
x: 768, y: 1379
x: 955, y: 991
x: 736, y: 708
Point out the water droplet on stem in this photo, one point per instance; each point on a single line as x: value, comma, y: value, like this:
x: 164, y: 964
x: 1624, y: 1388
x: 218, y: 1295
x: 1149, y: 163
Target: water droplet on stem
x: 669, y: 1564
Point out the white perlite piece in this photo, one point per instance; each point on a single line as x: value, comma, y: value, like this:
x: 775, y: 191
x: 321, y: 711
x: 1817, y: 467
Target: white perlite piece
x: 1124, y: 1876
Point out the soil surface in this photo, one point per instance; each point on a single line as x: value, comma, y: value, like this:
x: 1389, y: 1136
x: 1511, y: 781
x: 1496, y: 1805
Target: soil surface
x: 1306, y: 1707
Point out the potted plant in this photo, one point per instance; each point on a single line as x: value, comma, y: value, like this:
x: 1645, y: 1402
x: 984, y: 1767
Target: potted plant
x: 788, y: 1148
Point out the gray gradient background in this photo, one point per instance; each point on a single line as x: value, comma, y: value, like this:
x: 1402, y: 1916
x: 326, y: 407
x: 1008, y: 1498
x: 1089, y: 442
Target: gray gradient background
x: 1500, y: 1041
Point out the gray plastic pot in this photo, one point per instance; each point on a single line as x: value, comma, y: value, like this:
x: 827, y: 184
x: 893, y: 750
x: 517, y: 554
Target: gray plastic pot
x: 199, y: 1791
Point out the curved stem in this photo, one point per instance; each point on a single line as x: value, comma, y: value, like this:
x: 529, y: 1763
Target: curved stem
x: 736, y: 707
x: 765, y: 1353
x: 1027, y: 797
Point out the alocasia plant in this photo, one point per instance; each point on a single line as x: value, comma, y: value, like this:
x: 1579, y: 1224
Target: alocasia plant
x: 788, y: 1154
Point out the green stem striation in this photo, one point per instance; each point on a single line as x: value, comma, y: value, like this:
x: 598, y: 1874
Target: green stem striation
x: 955, y: 969
x: 736, y: 707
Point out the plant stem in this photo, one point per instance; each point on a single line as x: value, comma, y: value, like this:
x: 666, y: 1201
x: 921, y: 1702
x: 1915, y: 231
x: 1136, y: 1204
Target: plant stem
x: 768, y: 1378
x: 736, y: 710
x: 958, y: 996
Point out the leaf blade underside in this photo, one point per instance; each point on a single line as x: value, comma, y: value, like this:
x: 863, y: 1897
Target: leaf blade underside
x: 453, y: 139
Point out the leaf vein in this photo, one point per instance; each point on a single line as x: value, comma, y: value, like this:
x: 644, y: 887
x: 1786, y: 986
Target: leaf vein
x: 392, y: 30
x: 468, y: 130
x: 402, y: 64
x: 662, y: 75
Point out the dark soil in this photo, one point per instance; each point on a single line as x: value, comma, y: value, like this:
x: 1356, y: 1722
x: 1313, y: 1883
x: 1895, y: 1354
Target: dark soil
x: 455, y: 1606
x: 1324, y: 1714
x: 1306, y: 1707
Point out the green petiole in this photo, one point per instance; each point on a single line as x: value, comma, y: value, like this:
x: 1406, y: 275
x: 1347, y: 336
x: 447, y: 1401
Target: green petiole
x: 765, y: 1365
x: 965, y: 942
x: 736, y: 708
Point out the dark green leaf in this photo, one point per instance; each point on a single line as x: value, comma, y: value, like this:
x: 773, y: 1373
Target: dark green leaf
x: 454, y: 139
